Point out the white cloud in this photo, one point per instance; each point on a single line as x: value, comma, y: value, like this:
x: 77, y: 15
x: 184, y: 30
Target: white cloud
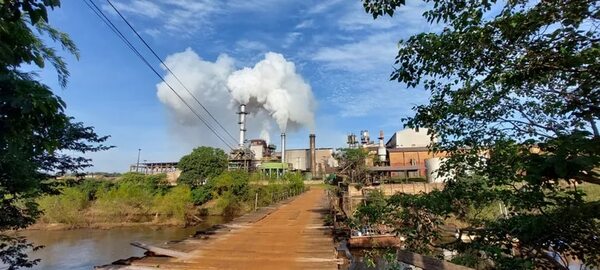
x: 138, y: 7
x: 252, y: 5
x: 377, y: 97
x: 290, y: 39
x: 323, y: 6
x: 373, y: 52
x: 245, y: 45
x: 305, y: 24
x: 187, y: 17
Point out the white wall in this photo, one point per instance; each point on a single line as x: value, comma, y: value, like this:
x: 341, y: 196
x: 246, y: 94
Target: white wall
x: 411, y: 138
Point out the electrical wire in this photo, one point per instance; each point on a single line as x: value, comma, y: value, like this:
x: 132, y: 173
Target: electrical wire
x: 167, y: 67
x: 116, y: 30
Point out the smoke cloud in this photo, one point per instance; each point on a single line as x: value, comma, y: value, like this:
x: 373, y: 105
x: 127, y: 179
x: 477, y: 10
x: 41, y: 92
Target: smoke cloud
x: 273, y: 85
x: 272, y: 90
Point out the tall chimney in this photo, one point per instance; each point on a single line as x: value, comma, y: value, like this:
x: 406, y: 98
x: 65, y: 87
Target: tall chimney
x: 283, y: 147
x: 313, y: 155
x: 381, y: 152
x: 242, y: 123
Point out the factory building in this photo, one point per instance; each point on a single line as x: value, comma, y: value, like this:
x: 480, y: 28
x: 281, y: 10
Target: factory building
x: 300, y: 160
x: 168, y: 168
x: 408, y: 152
x: 405, y: 155
x: 409, y: 138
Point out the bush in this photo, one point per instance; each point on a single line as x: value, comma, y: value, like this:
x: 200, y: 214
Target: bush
x: 127, y: 201
x: 229, y: 205
x: 67, y: 207
x: 294, y: 181
x: 156, y: 182
x: 201, y: 195
x: 174, y: 205
x: 235, y: 182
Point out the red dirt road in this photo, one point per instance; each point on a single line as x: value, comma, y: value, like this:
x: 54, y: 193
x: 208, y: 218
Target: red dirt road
x: 291, y: 237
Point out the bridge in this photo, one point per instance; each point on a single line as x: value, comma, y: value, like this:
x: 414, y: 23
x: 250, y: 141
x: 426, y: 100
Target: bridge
x: 290, y: 235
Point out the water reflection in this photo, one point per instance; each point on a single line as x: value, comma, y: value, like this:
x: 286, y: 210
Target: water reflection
x: 86, y: 248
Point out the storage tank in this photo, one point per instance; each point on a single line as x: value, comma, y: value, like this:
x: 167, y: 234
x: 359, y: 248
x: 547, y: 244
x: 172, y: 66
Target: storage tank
x: 433, y: 165
x: 381, y: 152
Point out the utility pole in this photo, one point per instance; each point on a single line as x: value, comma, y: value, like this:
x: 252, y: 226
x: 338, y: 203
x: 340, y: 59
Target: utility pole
x: 137, y: 166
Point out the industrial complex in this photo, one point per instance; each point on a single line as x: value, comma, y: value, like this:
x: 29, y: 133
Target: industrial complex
x: 404, y: 155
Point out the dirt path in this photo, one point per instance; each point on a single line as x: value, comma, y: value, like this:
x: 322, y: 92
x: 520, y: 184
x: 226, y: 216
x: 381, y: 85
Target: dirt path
x: 291, y: 237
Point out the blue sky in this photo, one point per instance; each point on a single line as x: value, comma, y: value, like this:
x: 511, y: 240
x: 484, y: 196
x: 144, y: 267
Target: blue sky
x: 341, y: 52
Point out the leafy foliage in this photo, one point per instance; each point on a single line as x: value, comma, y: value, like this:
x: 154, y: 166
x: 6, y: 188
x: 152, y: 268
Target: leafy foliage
x: 132, y: 198
x: 202, y: 164
x: 65, y: 208
x: 515, y: 103
x: 352, y: 162
x: 35, y: 133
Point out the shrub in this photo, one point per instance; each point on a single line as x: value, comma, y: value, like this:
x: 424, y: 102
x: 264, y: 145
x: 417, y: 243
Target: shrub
x: 229, y: 205
x: 156, y: 182
x: 235, y: 182
x: 67, y: 207
x: 294, y: 181
x: 125, y: 202
x: 201, y: 195
x: 174, y: 205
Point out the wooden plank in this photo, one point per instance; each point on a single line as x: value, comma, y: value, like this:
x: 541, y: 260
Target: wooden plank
x: 161, y: 251
x: 123, y: 267
x: 426, y: 262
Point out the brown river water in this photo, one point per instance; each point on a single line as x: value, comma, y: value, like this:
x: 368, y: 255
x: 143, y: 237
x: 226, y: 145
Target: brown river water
x: 86, y: 248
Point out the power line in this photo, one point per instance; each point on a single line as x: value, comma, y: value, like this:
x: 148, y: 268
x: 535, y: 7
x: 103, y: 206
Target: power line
x: 116, y: 30
x: 167, y: 67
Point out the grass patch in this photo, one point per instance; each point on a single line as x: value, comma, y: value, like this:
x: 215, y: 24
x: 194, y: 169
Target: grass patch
x: 592, y: 191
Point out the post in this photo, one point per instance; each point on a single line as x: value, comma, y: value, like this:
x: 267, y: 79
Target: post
x: 137, y: 166
x: 255, y: 201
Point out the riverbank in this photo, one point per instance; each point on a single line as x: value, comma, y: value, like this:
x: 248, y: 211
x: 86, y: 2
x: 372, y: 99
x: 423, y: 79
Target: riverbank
x: 112, y: 225
x: 148, y: 200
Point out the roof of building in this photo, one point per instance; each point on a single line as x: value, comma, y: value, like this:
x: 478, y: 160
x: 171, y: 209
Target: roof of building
x: 152, y: 164
x: 409, y: 149
x: 393, y: 168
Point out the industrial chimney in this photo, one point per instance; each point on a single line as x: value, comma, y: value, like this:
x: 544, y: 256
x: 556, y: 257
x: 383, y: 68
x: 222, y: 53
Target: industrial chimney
x: 282, y: 147
x: 313, y: 155
x: 381, y: 149
x: 242, y: 123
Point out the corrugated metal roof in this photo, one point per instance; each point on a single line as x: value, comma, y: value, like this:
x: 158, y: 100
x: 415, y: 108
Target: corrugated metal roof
x: 393, y: 168
x: 408, y: 149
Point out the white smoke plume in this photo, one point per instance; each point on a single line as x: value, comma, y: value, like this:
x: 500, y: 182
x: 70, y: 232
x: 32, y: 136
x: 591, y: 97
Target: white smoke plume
x: 272, y: 90
x: 274, y: 86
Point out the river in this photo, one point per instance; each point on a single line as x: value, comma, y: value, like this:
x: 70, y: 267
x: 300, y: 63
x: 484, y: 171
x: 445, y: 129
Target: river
x: 86, y: 248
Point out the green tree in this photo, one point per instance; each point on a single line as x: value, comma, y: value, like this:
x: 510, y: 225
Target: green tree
x: 202, y: 164
x: 35, y: 133
x: 514, y: 102
x: 352, y: 163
